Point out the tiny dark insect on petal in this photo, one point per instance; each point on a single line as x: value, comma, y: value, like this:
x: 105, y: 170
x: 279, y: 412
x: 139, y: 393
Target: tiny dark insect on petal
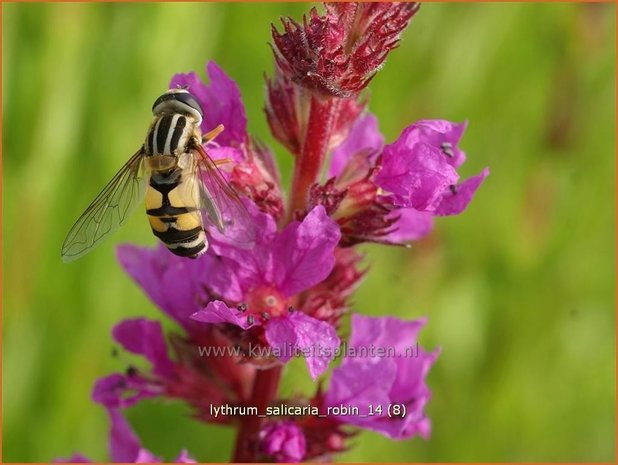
x: 266, y: 316
x: 447, y: 149
x: 121, y: 384
x: 453, y: 189
x: 250, y: 320
x: 242, y: 307
x: 291, y: 309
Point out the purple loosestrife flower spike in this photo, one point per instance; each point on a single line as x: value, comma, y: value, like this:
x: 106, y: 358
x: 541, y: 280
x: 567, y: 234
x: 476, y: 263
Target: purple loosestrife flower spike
x: 245, y: 309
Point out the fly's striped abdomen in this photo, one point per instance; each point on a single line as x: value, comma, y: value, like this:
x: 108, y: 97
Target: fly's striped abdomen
x: 169, y: 134
x: 174, y: 217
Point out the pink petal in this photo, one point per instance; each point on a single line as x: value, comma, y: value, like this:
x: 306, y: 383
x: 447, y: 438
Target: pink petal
x: 363, y: 137
x: 124, y: 445
x: 145, y: 337
x: 218, y: 312
x: 361, y: 383
x: 171, y: 282
x: 384, y: 332
x: 395, y: 375
x: 315, y: 339
x: 455, y: 202
x: 121, y: 391
x: 444, y: 135
x: 184, y: 457
x: 412, y: 225
x: 221, y: 102
x: 303, y: 254
x: 415, y: 172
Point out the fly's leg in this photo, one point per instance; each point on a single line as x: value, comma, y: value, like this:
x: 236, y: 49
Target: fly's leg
x: 210, y: 135
x: 222, y: 161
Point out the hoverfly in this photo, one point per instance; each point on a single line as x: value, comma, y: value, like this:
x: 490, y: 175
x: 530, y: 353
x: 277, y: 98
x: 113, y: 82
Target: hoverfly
x: 178, y: 180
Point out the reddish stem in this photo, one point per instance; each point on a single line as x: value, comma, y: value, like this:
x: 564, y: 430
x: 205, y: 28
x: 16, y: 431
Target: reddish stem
x: 265, y: 388
x: 309, y: 162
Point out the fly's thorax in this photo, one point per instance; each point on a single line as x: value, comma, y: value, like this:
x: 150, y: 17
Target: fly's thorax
x: 161, y: 163
x: 171, y: 134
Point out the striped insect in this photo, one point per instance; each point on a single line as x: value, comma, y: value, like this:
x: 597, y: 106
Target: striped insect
x: 185, y: 193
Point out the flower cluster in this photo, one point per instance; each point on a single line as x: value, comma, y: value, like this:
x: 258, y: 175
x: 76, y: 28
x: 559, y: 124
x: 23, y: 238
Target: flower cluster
x: 244, y: 310
x: 390, y: 193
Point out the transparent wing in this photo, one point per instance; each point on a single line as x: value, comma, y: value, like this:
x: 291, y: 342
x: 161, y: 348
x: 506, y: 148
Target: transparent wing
x: 108, y: 211
x: 225, y: 211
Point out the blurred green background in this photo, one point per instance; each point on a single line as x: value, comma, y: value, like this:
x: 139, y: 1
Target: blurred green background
x: 519, y: 290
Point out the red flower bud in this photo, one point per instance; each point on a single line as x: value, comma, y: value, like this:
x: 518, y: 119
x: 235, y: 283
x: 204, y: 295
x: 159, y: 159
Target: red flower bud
x: 337, y: 54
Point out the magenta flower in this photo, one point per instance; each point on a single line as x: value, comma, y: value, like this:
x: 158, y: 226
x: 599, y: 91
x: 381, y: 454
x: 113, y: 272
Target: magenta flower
x: 266, y: 279
x: 284, y: 441
x: 125, y: 446
x: 384, y: 379
x: 391, y: 193
x: 142, y: 337
x: 199, y: 381
x: 419, y: 169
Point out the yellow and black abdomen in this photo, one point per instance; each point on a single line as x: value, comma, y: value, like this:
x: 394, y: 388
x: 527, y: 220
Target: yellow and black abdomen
x: 173, y: 213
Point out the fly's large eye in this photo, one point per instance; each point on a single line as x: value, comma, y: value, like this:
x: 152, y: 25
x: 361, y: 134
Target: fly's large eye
x: 189, y: 100
x: 178, y: 100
